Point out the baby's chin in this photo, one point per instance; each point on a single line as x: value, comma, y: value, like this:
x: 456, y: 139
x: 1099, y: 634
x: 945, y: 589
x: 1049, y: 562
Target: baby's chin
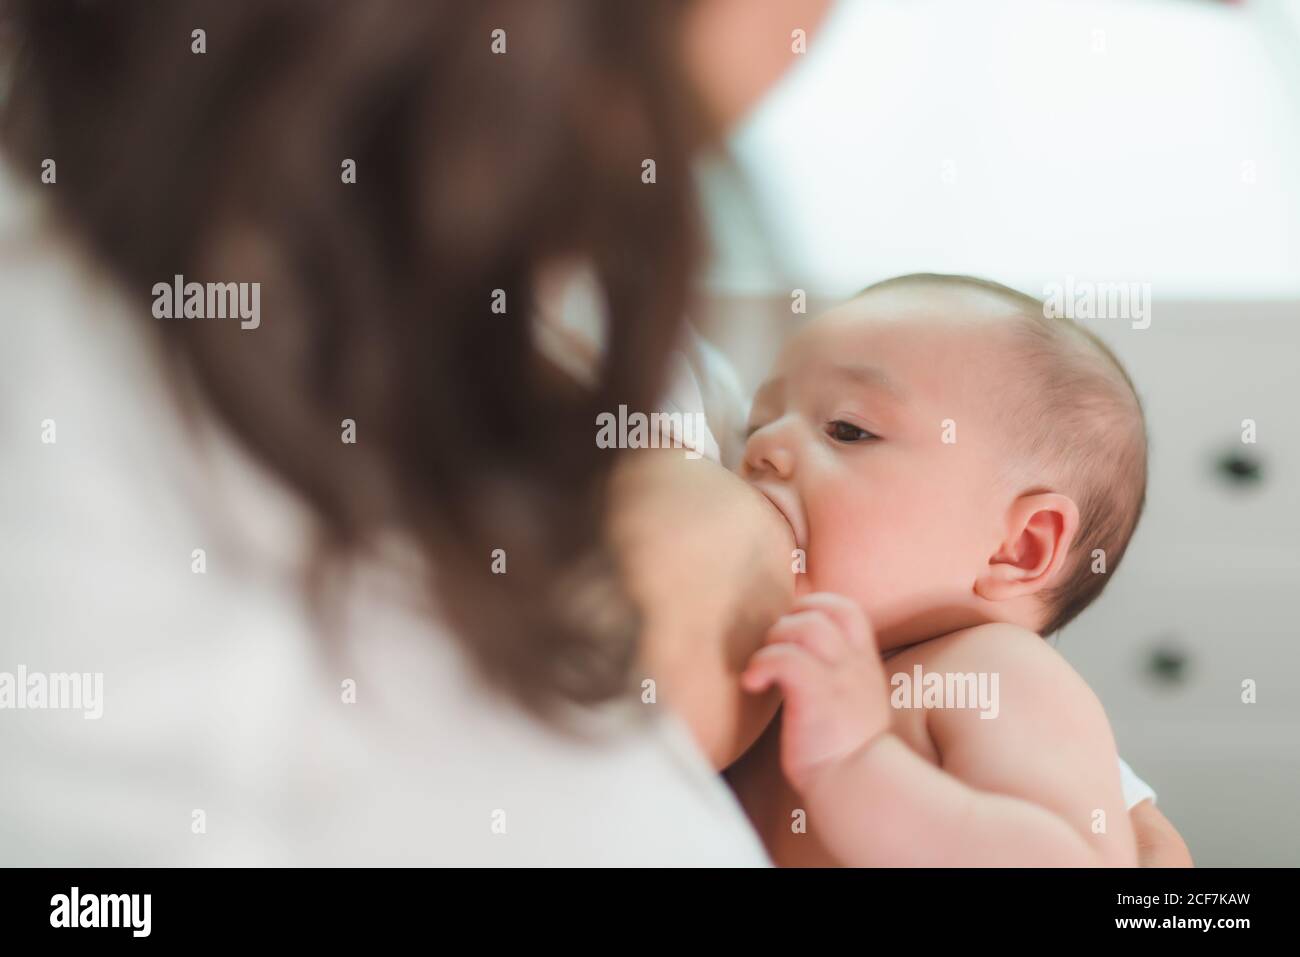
x: 887, y: 619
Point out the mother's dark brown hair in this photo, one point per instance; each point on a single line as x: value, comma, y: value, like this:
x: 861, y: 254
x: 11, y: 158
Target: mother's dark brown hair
x: 473, y: 170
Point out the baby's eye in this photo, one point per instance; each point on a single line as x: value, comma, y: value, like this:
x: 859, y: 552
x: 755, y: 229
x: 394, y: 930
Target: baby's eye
x: 847, y: 432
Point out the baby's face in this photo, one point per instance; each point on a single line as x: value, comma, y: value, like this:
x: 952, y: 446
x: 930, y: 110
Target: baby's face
x: 878, y: 436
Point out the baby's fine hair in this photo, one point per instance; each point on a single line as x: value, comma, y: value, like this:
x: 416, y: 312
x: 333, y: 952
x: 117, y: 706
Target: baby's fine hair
x: 1073, y: 410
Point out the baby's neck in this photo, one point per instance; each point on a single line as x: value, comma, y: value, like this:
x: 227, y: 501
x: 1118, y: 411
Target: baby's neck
x: 899, y: 635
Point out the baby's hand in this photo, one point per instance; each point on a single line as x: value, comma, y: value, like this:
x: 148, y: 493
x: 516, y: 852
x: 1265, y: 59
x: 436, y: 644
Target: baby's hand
x: 823, y: 655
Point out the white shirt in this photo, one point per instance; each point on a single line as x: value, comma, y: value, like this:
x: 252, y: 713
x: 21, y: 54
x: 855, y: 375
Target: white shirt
x: 224, y: 737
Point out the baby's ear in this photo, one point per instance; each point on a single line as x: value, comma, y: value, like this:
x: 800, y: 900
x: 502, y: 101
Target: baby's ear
x: 1040, y: 530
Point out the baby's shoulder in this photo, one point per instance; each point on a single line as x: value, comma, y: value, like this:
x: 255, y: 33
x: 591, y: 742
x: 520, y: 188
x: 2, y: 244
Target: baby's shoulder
x: 996, y: 641
x: 1020, y: 658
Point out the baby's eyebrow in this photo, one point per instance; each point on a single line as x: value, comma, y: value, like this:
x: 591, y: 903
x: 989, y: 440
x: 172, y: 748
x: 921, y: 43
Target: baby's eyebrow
x: 870, y: 376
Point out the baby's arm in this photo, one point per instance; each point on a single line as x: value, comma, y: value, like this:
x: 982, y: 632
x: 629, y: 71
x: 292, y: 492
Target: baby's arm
x: 995, y: 801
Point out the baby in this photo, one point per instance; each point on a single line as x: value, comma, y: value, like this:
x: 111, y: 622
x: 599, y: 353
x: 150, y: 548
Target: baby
x: 962, y: 476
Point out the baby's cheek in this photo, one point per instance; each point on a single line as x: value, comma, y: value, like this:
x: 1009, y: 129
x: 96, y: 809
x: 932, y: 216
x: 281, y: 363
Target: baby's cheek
x: 860, y: 556
x: 878, y: 549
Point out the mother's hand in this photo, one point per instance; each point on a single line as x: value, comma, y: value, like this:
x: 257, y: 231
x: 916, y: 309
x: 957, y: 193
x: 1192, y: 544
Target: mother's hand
x: 708, y: 559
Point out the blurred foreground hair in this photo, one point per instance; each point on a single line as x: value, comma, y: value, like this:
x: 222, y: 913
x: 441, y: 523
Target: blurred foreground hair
x: 474, y: 170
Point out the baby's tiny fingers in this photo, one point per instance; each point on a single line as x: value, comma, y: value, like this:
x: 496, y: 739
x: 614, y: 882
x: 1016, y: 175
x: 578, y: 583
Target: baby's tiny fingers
x: 811, y: 630
x: 787, y: 665
x: 845, y: 612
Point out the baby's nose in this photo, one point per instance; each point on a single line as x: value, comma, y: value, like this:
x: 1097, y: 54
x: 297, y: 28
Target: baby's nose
x: 769, y: 451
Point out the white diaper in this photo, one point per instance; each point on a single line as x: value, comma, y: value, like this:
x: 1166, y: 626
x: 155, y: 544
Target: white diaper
x: 1135, y: 789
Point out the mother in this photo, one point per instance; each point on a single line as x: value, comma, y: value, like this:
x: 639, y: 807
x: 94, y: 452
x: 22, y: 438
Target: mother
x: 388, y: 172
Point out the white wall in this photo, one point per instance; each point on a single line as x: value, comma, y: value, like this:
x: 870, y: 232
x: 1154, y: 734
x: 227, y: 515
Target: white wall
x: 1144, y: 140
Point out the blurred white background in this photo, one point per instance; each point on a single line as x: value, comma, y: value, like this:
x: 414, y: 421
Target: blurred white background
x: 1153, y: 141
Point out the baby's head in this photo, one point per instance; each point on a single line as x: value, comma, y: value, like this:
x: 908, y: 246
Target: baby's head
x: 948, y: 456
